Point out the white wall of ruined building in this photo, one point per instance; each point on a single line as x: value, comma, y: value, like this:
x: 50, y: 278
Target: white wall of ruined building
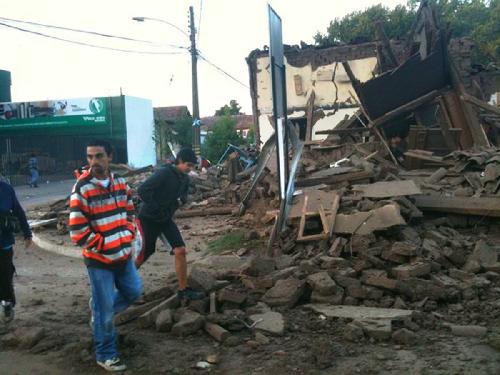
x: 330, y: 120
x: 300, y: 81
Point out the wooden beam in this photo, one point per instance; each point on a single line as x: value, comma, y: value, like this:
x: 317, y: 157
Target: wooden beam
x: 335, y: 179
x: 446, y: 126
x: 408, y: 107
x: 310, y: 115
x: 386, y: 44
x: 206, y: 212
x: 333, y: 215
x: 343, y: 131
x: 454, y: 109
x: 459, y: 205
x: 479, y: 103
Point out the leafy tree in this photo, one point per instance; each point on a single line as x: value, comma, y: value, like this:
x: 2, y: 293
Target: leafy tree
x: 227, y: 110
x: 223, y: 133
x: 479, y: 19
x: 180, y: 133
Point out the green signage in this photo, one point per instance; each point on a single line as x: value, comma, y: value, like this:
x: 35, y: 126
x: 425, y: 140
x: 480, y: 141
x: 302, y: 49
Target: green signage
x: 54, y: 113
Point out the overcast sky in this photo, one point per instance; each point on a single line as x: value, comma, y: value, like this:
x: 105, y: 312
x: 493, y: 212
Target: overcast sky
x: 50, y: 69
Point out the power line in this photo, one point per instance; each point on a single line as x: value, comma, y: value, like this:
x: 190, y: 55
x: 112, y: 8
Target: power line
x: 87, y: 44
x: 87, y: 32
x: 222, y: 70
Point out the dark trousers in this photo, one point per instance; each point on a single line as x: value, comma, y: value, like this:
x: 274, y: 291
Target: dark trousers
x: 6, y: 275
x: 152, y: 229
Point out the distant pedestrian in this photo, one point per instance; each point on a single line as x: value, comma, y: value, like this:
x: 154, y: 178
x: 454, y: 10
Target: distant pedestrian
x: 12, y: 219
x: 33, y: 168
x: 102, y: 222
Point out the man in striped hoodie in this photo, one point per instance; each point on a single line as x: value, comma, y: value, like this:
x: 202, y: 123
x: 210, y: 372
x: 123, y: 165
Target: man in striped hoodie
x: 102, y: 222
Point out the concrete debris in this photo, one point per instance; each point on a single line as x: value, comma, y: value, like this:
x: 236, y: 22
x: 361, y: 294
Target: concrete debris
x: 270, y: 322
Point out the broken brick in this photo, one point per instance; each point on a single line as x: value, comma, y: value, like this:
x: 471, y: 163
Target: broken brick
x: 408, y: 271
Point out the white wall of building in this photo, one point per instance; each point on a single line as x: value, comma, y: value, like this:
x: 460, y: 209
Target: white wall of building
x: 330, y: 121
x: 141, y: 150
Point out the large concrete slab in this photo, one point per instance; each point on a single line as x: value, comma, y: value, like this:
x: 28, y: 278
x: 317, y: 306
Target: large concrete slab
x: 359, y: 312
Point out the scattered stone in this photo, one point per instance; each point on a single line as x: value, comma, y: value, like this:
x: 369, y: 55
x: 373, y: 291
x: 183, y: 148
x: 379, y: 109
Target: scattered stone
x: 322, y: 283
x: 230, y: 295
x: 472, y: 266
x: 164, y: 321
x: 189, y: 323
x: 200, y: 306
x: 251, y: 235
x: 261, y: 338
x: 353, y: 332
x: 286, y: 292
x: 378, y: 329
x: 331, y: 262
x: 261, y: 266
x: 404, y: 336
x: 468, y: 331
x: 271, y: 322
x: 405, y: 249
x: 460, y: 275
x: 408, y: 271
x: 284, y: 261
x: 484, y: 254
x: 201, y: 278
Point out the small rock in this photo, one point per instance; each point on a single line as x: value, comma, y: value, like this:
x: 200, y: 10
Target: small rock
x: 322, y: 283
x: 164, y: 321
x: 29, y: 337
x: 271, y: 322
x: 201, y: 278
x: 189, y: 323
x: 261, y: 266
x: 353, y: 332
x: 472, y: 266
x: 286, y: 292
x: 468, y: 331
x: 261, y: 338
x: 404, y: 336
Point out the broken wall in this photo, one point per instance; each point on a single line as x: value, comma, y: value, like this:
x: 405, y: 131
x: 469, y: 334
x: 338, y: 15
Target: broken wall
x: 309, y: 69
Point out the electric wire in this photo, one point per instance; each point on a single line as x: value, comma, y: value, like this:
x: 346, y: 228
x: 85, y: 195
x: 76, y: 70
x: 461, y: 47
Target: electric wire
x: 87, y: 32
x: 218, y: 68
x: 88, y: 44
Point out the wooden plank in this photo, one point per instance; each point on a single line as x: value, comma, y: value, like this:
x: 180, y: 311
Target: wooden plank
x: 333, y: 214
x: 343, y: 131
x: 459, y: 205
x: 478, y: 135
x: 134, y: 312
x: 367, y: 222
x: 446, y: 126
x: 206, y: 212
x: 435, y: 159
x: 355, y: 176
x: 387, y: 189
x: 479, y: 103
x: 454, y: 109
x: 310, y: 114
x: 408, y: 107
x: 315, y: 199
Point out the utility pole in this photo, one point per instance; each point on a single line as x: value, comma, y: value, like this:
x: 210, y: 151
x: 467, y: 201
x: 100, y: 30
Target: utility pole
x: 194, y: 74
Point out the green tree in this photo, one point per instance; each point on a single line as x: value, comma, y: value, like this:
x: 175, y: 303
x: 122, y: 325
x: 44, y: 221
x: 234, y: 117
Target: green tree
x: 479, y: 19
x: 179, y: 132
x: 232, y: 109
x: 223, y: 133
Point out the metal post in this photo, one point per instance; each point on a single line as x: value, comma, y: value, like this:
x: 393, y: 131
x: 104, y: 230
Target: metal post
x: 194, y: 73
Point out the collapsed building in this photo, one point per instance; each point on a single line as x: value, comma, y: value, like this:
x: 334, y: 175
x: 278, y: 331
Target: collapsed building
x: 405, y: 233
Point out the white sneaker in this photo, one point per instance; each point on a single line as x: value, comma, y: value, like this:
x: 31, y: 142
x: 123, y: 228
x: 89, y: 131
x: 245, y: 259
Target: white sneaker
x: 6, y: 311
x: 113, y: 364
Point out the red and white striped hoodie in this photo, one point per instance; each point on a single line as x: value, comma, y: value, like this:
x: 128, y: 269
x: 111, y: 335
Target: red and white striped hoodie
x: 102, y: 220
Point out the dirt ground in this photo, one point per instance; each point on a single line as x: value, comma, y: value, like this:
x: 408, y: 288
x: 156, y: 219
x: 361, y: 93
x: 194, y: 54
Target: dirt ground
x: 53, y: 293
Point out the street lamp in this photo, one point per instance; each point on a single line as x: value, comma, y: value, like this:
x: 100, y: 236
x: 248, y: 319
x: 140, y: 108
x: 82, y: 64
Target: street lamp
x: 194, y: 72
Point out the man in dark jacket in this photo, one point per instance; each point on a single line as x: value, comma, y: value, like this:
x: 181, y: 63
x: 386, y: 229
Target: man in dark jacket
x: 161, y: 194
x: 11, y: 216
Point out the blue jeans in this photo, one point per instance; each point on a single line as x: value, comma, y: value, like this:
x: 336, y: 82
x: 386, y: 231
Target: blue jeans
x: 112, y: 292
x: 34, y: 177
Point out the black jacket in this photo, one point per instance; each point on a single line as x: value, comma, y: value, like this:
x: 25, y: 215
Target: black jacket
x: 9, y: 205
x: 161, y: 193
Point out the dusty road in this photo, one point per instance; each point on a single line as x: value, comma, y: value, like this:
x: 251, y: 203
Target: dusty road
x: 53, y: 295
x: 46, y: 193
